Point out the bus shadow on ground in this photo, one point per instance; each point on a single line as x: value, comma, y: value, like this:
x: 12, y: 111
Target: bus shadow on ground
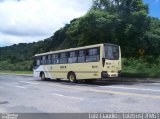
x: 104, y: 82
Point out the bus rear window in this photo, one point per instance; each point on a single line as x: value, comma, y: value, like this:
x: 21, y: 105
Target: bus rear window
x: 111, y: 52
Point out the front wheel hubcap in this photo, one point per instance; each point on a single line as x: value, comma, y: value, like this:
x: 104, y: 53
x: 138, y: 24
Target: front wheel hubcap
x: 72, y: 78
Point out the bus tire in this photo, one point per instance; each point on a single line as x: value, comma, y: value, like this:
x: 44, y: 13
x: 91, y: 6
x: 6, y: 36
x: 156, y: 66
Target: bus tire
x: 72, y: 77
x: 42, y: 75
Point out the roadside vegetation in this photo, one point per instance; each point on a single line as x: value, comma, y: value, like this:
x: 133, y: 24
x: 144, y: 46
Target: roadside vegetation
x: 15, y: 72
x: 141, y: 67
x: 18, y: 66
x: 123, y: 22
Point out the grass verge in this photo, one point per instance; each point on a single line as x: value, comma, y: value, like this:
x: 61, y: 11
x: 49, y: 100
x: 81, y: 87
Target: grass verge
x: 15, y: 72
x: 148, y: 67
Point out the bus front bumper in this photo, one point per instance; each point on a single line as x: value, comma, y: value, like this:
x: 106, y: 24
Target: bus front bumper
x: 105, y: 74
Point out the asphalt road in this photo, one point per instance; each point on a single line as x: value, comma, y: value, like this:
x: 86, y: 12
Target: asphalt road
x: 26, y: 94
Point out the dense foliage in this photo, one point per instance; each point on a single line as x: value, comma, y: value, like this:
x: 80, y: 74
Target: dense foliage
x: 122, y: 22
x: 141, y: 67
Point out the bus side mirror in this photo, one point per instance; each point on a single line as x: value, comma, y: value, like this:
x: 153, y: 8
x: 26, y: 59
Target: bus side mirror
x: 103, y: 61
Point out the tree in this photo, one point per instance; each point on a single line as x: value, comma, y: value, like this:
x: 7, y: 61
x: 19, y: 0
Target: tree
x: 134, y: 22
x: 152, y: 38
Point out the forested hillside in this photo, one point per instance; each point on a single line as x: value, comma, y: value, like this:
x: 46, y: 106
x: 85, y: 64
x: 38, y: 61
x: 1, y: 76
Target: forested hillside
x: 122, y: 22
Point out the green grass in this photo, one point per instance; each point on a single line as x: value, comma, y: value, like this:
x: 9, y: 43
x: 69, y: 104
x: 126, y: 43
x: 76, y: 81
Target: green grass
x: 139, y: 75
x: 17, y: 68
x: 143, y: 67
x: 15, y: 72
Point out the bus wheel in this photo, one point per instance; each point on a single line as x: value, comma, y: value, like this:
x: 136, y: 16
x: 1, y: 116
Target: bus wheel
x: 43, y: 76
x: 72, y: 77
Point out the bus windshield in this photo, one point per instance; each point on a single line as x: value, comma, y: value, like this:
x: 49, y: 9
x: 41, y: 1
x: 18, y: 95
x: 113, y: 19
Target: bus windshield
x: 111, y: 52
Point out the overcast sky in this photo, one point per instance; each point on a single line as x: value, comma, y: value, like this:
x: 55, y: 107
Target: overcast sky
x: 23, y: 21
x: 33, y: 20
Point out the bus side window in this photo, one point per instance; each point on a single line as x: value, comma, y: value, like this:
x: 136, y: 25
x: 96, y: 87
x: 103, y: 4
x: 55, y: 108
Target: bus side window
x: 72, y: 57
x: 37, y: 62
x: 49, y: 59
x: 43, y: 61
x: 92, y: 55
x: 63, y: 58
x: 55, y: 59
x: 81, y: 56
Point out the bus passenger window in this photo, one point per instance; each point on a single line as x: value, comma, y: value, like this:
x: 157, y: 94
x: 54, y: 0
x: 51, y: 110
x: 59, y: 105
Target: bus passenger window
x: 81, y: 56
x: 43, y: 61
x: 49, y: 59
x: 63, y: 58
x: 72, y: 57
x: 38, y: 62
x: 55, y: 59
x: 92, y: 55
